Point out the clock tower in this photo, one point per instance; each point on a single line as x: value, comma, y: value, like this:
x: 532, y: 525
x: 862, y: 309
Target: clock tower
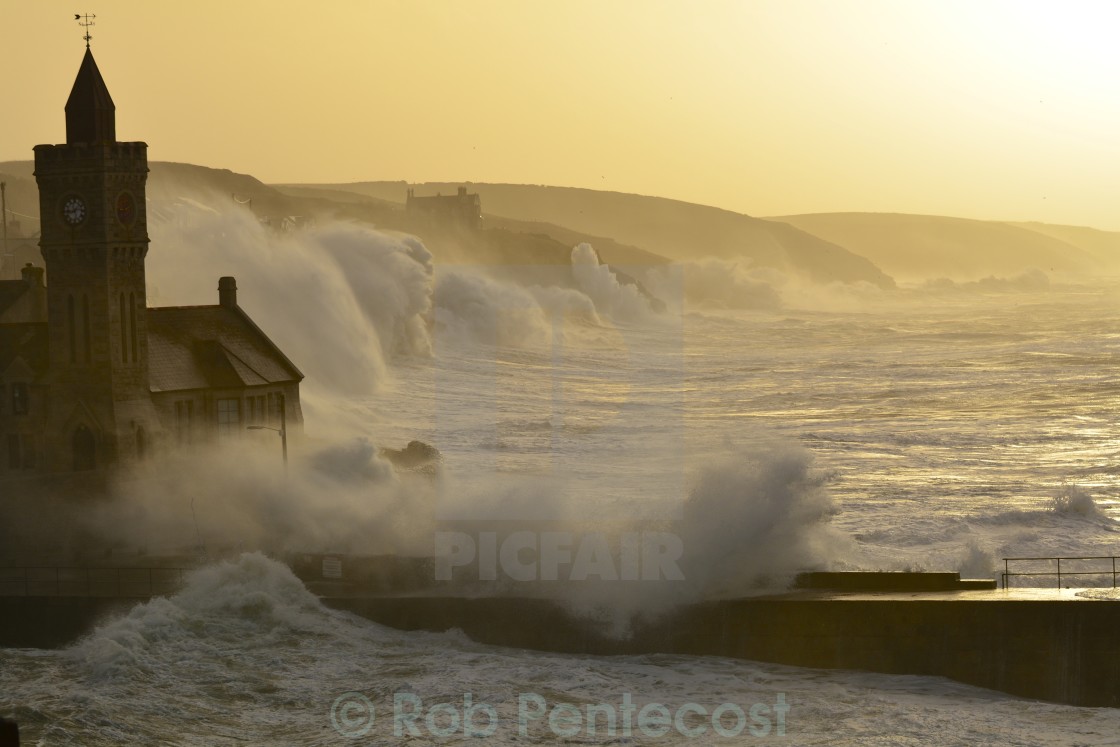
x: 94, y: 242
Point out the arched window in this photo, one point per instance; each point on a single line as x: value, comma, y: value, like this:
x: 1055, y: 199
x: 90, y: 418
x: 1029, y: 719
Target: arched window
x: 21, y: 399
x: 124, y: 332
x: 84, y: 447
x: 86, y: 329
x: 71, y: 329
x: 132, y: 324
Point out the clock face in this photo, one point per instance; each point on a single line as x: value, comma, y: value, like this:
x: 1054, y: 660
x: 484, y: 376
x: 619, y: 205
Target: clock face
x: 74, y: 210
x: 126, y: 209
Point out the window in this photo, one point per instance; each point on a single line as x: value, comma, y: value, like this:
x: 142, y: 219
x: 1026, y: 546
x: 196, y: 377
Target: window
x: 21, y: 452
x: 84, y: 447
x: 132, y: 325
x: 71, y: 329
x: 124, y: 332
x: 21, y: 400
x: 86, y: 329
x: 256, y: 412
x: 184, y: 415
x: 275, y: 408
x: 229, y: 416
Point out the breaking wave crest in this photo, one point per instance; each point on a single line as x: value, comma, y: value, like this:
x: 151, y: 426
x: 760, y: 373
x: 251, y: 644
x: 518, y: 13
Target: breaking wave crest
x: 252, y: 602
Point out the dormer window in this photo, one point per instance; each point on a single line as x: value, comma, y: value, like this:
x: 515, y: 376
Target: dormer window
x: 21, y: 400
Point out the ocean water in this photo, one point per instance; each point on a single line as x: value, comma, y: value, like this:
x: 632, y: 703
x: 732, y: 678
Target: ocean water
x: 924, y: 428
x: 946, y: 424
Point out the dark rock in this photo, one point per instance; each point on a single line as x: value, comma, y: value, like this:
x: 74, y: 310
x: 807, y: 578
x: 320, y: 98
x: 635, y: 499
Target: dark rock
x: 417, y: 456
x: 9, y: 733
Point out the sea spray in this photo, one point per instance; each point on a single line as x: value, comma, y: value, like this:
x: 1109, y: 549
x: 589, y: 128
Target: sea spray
x: 337, y: 497
x: 976, y: 562
x: 471, y: 305
x: 718, y: 283
x: 754, y: 517
x: 622, y: 302
x: 1073, y: 500
x: 757, y: 517
x: 340, y: 299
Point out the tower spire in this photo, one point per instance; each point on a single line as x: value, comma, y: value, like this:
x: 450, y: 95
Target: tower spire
x: 90, y: 112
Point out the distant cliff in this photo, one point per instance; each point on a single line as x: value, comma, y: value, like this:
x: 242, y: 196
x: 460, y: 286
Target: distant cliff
x: 931, y: 246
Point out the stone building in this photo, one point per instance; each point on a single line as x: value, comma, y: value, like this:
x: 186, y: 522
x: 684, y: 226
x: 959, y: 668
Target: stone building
x: 90, y: 377
x: 461, y: 210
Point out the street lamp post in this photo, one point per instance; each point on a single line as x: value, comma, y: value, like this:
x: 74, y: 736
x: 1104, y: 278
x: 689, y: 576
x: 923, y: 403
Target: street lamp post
x: 4, y: 215
x: 282, y: 430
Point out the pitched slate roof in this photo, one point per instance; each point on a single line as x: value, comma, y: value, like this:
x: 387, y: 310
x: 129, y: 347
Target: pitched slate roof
x: 200, y: 347
x: 10, y: 292
x: 25, y: 341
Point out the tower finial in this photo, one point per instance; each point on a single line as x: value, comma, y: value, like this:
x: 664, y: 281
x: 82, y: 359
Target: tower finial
x: 85, y: 20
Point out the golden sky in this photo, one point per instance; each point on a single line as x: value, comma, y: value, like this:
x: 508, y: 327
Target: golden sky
x: 975, y: 108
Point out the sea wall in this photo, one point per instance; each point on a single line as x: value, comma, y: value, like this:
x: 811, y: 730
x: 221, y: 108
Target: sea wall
x: 1058, y: 650
x: 54, y: 621
x: 1061, y: 651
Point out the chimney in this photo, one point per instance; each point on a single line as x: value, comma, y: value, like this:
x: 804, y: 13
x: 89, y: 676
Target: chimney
x: 462, y: 191
x: 227, y: 292
x: 32, y: 275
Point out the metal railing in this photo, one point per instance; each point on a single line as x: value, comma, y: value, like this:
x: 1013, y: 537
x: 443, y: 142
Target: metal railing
x: 45, y: 581
x: 1109, y: 571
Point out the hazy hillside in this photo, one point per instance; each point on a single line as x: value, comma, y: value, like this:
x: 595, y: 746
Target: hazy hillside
x: 21, y: 191
x: 1103, y: 245
x: 927, y: 246
x: 678, y: 230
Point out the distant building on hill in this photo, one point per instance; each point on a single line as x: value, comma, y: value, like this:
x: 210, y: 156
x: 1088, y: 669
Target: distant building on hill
x: 460, y: 210
x: 90, y: 377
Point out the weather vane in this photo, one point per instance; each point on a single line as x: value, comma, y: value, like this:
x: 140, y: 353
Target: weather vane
x: 85, y: 21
